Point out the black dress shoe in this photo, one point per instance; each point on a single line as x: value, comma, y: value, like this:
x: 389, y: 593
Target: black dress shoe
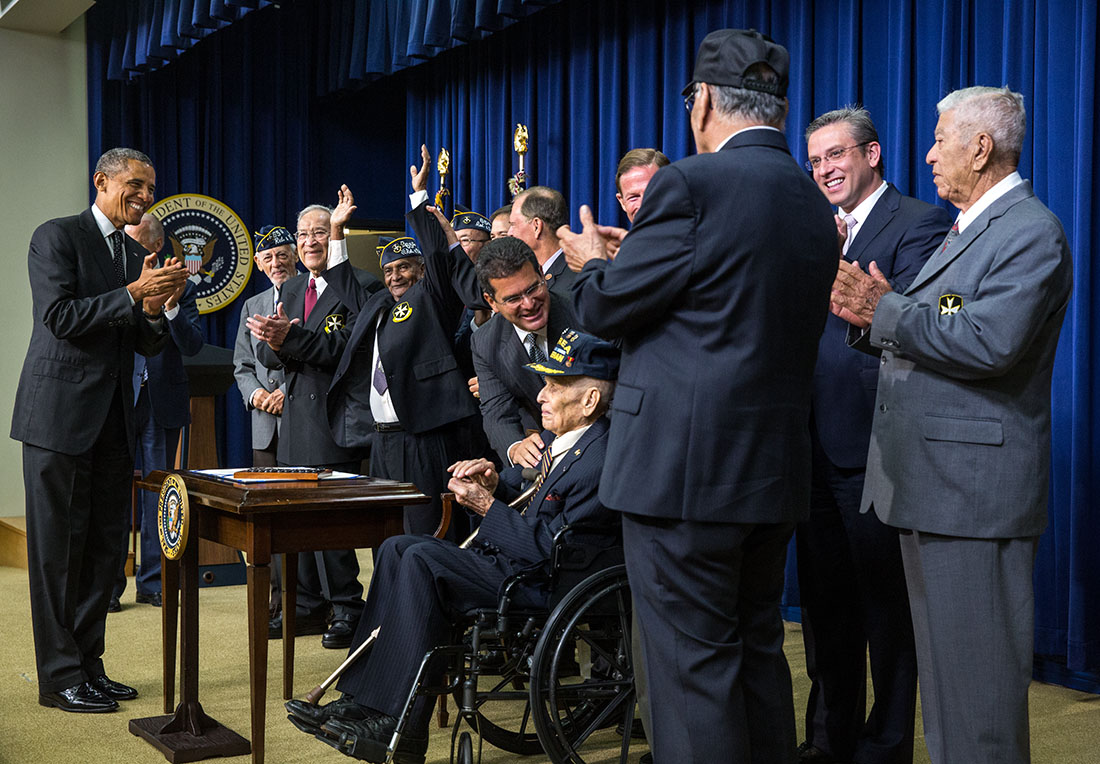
x: 112, y: 689
x: 114, y: 606
x: 807, y: 751
x: 647, y: 758
x: 315, y: 716
x: 81, y: 699
x: 312, y: 622
x: 149, y: 599
x: 369, y: 738
x: 339, y: 634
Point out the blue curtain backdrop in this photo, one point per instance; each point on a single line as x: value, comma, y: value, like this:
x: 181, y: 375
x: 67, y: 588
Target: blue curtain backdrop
x: 283, y: 105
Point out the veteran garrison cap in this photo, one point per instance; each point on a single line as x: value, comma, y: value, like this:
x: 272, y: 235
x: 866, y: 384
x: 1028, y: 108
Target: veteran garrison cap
x: 726, y: 54
x: 271, y: 236
x: 464, y: 220
x: 396, y: 249
x: 579, y: 355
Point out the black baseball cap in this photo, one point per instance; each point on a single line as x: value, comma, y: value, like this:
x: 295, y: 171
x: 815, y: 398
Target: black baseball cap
x: 726, y: 54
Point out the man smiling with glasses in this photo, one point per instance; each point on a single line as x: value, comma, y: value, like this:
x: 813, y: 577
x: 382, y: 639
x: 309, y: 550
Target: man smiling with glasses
x: 849, y: 564
x: 527, y: 314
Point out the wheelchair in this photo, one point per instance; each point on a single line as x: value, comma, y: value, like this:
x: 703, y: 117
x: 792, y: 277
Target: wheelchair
x: 558, y: 680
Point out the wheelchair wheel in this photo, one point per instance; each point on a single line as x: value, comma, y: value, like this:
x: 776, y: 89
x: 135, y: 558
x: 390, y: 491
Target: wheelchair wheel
x: 503, y: 713
x: 582, y: 675
x: 465, y: 749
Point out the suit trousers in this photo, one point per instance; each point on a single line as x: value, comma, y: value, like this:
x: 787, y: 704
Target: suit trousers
x: 156, y: 450
x: 973, y: 616
x: 420, y: 586
x: 706, y: 596
x: 77, y: 514
x: 854, y: 600
x: 331, y: 576
x: 422, y: 459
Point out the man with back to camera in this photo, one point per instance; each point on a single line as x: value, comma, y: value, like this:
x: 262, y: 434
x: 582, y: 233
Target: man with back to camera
x: 421, y: 582
x: 527, y: 313
x: 850, y: 575
x: 709, y: 452
x: 308, y: 350
x: 959, y: 458
x: 162, y: 407
x: 97, y: 297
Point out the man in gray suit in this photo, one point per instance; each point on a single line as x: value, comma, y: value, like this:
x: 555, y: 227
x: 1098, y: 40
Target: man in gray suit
x: 960, y: 446
x: 262, y: 388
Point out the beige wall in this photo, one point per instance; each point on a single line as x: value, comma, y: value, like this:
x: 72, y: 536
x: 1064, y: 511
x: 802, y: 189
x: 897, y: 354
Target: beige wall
x: 43, y: 174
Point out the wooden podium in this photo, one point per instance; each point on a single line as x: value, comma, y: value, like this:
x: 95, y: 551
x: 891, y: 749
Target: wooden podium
x: 259, y: 519
x: 209, y: 374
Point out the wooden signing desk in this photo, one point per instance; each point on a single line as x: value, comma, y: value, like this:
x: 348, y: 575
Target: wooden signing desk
x: 259, y: 519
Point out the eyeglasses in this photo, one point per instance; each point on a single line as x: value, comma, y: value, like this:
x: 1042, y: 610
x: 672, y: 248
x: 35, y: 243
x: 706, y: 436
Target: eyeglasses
x: 689, y: 100
x: 831, y: 156
x: 320, y: 234
x: 531, y: 291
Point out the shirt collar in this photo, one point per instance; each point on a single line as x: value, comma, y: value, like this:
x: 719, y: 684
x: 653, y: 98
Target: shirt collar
x: 553, y: 259
x: 743, y: 129
x: 106, y: 227
x: 1002, y: 187
x: 562, y: 443
x: 863, y: 209
x: 522, y: 333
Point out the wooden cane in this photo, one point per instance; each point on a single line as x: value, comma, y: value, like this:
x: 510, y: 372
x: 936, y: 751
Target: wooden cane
x: 318, y: 692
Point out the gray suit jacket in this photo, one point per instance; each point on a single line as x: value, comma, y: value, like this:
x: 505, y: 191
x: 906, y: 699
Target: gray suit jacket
x: 251, y: 373
x: 961, y: 439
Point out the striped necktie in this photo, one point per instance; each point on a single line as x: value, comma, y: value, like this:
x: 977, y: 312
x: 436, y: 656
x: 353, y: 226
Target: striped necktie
x: 951, y: 236
x: 534, y: 352
x: 544, y: 470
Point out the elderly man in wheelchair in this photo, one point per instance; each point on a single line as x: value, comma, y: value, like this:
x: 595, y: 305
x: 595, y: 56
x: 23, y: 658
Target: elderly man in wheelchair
x: 423, y: 585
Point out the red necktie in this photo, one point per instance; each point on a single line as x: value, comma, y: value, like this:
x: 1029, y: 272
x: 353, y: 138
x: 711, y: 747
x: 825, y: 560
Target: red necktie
x: 311, y: 298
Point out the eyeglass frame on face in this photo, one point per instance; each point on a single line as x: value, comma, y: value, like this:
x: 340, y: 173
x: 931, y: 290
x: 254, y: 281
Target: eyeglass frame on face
x: 832, y: 156
x: 689, y: 99
x: 318, y: 234
x: 530, y: 292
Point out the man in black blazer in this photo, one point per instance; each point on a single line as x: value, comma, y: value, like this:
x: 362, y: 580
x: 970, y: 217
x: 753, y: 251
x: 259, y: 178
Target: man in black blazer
x: 97, y: 297
x: 420, y: 582
x: 398, y: 383
x: 308, y: 352
x: 719, y: 293
x: 850, y: 574
x: 528, y: 315
x: 534, y: 218
x: 162, y: 405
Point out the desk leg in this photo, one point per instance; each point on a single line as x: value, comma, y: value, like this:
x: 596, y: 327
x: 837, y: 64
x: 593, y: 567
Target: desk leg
x: 169, y: 621
x: 290, y: 612
x: 259, y: 599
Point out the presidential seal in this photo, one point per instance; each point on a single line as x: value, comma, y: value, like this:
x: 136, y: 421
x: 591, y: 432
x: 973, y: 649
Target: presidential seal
x: 173, y: 517
x: 212, y: 242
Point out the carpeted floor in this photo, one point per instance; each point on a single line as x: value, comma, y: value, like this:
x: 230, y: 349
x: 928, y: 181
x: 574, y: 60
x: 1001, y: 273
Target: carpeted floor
x: 1065, y: 725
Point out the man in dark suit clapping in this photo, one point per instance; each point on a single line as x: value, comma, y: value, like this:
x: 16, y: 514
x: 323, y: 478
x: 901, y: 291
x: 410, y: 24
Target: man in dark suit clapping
x: 849, y: 564
x: 97, y: 297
